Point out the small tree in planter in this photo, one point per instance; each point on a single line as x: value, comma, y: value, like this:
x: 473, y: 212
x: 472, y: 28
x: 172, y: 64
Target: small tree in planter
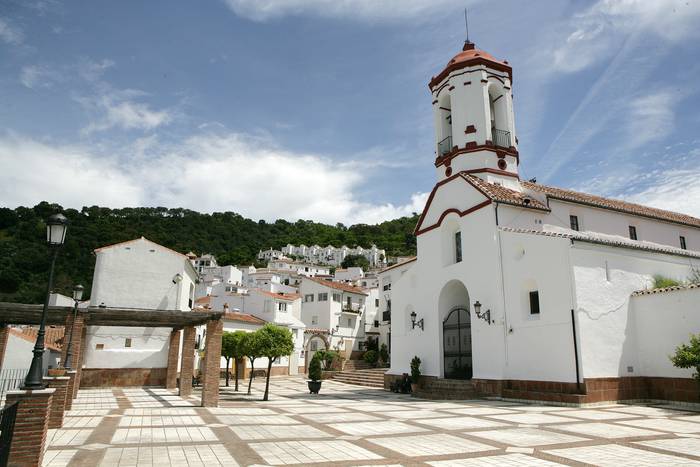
x: 371, y: 357
x: 415, y: 373
x: 688, y: 356
x: 315, y: 375
x: 384, y: 354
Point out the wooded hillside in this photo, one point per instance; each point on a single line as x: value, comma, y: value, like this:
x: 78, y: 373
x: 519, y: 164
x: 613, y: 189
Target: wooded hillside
x: 233, y: 239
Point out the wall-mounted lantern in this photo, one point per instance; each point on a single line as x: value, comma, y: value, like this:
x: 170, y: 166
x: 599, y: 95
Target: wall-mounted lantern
x: 415, y: 323
x: 486, y: 315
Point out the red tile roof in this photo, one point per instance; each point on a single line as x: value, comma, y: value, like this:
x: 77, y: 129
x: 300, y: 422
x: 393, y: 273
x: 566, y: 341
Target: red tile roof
x: 53, y: 339
x: 281, y: 296
x: 502, y: 194
x: 242, y: 317
x: 338, y: 286
x: 613, y: 204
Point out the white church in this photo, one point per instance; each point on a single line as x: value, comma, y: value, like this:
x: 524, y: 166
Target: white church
x: 527, y: 291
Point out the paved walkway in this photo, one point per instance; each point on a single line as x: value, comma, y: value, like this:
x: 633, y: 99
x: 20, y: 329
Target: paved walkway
x: 354, y: 426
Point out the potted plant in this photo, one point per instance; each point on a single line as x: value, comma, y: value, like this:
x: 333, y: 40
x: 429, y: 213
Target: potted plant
x: 314, y: 375
x: 415, y: 373
x: 58, y: 371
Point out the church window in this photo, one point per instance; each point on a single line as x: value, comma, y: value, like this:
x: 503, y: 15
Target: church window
x: 683, y: 245
x: 458, y: 247
x: 573, y: 220
x: 633, y: 232
x: 534, y: 302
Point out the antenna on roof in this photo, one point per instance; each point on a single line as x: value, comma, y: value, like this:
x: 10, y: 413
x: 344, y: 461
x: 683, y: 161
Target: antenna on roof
x: 466, y: 25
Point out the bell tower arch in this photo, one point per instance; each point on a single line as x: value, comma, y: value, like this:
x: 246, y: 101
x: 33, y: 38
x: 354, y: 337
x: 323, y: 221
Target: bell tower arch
x: 473, y: 113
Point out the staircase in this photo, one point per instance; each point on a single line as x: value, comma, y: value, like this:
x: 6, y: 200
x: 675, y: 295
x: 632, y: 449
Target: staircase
x: 361, y: 374
x: 453, y: 389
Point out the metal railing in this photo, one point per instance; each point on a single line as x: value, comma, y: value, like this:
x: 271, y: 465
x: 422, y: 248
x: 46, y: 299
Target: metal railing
x: 10, y: 379
x: 8, y: 414
x: 444, y: 146
x: 501, y: 138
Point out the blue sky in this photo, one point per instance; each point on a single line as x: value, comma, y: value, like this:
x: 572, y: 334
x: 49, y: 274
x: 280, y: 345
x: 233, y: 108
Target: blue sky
x: 319, y: 109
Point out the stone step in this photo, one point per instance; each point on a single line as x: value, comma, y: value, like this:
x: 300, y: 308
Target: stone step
x: 355, y: 378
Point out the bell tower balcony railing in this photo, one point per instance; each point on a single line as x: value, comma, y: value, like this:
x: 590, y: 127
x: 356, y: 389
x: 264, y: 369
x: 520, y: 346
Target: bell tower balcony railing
x: 444, y: 146
x: 501, y: 138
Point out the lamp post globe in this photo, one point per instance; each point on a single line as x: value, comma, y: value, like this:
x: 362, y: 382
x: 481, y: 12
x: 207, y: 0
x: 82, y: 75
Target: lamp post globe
x: 56, y: 227
x: 78, y: 292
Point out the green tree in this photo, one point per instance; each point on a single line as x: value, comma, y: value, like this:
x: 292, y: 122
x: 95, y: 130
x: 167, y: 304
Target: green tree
x: 355, y: 260
x: 232, y: 348
x: 384, y: 354
x: 252, y: 350
x: 688, y: 355
x: 275, y: 342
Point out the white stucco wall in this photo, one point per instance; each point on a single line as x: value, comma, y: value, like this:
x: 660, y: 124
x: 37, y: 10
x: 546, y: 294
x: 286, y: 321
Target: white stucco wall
x: 608, y: 336
x: 18, y: 355
x: 662, y: 322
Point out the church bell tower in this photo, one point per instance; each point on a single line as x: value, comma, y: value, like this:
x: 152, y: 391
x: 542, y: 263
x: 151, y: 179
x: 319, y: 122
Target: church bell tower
x: 474, y: 123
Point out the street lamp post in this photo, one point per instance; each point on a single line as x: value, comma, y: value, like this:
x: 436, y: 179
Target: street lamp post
x: 56, y: 227
x: 77, y: 296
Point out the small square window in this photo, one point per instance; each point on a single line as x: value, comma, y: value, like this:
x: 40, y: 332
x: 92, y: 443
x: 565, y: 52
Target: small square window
x: 127, y: 342
x: 633, y: 232
x: 573, y: 220
x: 683, y: 245
x: 534, y: 302
x: 99, y: 346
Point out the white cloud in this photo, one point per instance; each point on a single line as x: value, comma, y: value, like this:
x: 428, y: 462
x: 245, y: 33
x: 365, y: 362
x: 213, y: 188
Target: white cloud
x: 38, y: 76
x: 651, y: 118
x: 675, y: 190
x: 91, y: 70
x: 365, y: 10
x: 118, y: 109
x: 598, y: 32
x: 10, y: 33
x: 207, y: 172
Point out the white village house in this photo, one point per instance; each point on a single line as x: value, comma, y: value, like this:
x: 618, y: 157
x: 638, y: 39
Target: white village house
x: 135, y: 274
x: 529, y: 291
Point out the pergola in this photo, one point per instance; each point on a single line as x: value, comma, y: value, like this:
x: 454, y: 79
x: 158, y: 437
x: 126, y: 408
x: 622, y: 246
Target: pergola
x: 182, y: 323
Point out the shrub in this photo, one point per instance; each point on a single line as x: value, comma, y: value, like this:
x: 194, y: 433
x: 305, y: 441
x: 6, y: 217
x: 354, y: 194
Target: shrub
x: 315, y: 369
x: 327, y: 358
x: 415, y: 369
x: 371, y: 357
x: 688, y: 355
x: 384, y: 354
x: 661, y: 282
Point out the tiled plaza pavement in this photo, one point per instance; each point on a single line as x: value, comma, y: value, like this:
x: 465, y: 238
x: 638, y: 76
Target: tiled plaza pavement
x: 355, y: 426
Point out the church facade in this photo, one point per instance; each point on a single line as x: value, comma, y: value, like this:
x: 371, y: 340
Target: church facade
x: 533, y: 292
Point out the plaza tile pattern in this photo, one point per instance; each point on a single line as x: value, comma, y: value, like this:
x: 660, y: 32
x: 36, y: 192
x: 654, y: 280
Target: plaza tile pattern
x: 357, y: 426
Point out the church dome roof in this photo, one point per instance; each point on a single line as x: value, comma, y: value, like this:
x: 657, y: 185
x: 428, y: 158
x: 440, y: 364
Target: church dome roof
x: 470, y: 56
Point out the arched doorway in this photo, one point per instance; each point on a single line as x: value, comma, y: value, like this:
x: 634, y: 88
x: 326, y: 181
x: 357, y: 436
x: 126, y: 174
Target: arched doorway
x: 315, y: 342
x: 456, y: 337
x: 457, y: 344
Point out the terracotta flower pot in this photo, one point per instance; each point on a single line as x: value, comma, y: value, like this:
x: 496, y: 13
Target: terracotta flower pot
x: 57, y: 371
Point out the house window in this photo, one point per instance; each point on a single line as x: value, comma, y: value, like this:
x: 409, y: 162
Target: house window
x: 387, y: 287
x: 323, y: 297
x: 99, y: 346
x: 283, y: 307
x: 534, y: 302
x: 348, y: 303
x: 309, y: 297
x: 376, y: 302
x: 388, y: 305
x: 127, y: 342
x: 376, y: 323
x: 573, y: 220
x: 349, y: 322
x: 314, y: 320
x: 683, y: 245
x: 336, y: 297
x: 633, y: 232
x: 458, y: 247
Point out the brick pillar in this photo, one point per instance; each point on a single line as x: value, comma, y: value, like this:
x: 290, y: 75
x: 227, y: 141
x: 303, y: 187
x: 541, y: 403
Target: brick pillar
x: 76, y: 349
x: 72, y: 380
x: 173, y: 357
x: 78, y: 354
x: 212, y: 364
x: 58, y: 401
x: 187, y: 364
x: 4, y: 336
x: 31, y: 425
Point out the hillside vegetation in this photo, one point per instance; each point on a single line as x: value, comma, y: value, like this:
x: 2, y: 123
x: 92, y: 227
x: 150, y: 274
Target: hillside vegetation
x: 24, y: 258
